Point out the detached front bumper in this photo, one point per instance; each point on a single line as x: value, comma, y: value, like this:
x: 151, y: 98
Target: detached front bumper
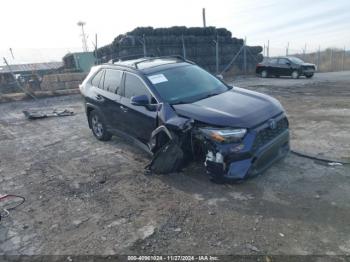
x: 258, y: 151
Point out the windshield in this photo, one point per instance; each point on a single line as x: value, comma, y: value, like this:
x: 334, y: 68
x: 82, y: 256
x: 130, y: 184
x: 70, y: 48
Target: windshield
x: 186, y: 84
x: 296, y: 60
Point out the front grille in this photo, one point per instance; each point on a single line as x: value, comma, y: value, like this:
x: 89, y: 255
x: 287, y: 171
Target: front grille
x: 267, y: 134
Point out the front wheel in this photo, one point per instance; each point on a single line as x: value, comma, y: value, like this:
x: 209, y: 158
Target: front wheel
x: 99, y: 127
x: 295, y: 74
x: 309, y: 75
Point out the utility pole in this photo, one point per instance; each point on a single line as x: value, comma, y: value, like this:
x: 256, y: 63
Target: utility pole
x: 203, y: 14
x: 95, y: 48
x: 287, y: 49
x: 83, y: 36
x: 268, y: 48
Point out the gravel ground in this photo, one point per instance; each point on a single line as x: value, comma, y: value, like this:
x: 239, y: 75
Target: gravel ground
x: 89, y: 197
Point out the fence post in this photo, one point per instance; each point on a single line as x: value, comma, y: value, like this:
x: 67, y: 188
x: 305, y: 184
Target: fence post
x: 304, y: 52
x: 331, y: 58
x: 217, y: 54
x: 343, y: 62
x: 183, y: 47
x: 264, y: 49
x: 318, y: 58
x: 144, y: 45
x: 245, y: 55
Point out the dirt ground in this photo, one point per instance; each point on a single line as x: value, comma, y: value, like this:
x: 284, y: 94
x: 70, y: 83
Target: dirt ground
x: 90, y: 197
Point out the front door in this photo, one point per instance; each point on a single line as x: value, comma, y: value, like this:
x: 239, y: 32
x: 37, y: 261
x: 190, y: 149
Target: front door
x: 284, y: 67
x: 139, y: 121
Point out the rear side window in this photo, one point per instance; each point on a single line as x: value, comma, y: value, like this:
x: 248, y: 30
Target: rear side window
x: 112, y: 80
x: 273, y: 61
x: 134, y: 86
x: 97, y: 78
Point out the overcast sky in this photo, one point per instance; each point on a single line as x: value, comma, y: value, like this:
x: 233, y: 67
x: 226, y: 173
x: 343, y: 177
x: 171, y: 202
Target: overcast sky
x: 44, y: 30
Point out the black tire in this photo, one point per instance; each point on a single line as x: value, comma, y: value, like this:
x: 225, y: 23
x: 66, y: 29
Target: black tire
x: 98, y: 126
x: 309, y: 75
x: 264, y: 74
x: 295, y: 74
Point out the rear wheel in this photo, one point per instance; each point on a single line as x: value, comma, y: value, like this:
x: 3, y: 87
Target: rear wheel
x: 295, y: 74
x: 99, y: 127
x: 309, y: 75
x: 264, y: 74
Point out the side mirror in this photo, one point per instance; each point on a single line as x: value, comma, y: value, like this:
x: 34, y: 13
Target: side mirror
x: 288, y: 63
x: 220, y: 77
x: 141, y: 100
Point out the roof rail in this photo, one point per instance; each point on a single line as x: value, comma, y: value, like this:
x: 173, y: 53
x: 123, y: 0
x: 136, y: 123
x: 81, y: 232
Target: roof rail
x: 179, y: 57
x: 127, y: 57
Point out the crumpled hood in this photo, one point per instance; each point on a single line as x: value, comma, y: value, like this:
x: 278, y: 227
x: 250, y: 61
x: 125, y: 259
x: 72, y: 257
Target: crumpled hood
x: 235, y: 108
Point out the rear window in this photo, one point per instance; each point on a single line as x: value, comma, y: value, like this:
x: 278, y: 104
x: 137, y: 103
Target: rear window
x: 97, y: 78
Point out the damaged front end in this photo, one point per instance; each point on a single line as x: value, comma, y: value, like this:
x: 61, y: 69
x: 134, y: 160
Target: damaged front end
x: 228, y: 153
x: 236, y: 154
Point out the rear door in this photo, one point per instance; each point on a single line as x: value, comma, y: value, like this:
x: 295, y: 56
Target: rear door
x: 112, y: 90
x: 139, y: 121
x: 97, y: 95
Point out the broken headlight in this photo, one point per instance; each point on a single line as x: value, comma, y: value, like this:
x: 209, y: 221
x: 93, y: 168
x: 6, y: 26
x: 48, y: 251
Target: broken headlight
x: 224, y: 135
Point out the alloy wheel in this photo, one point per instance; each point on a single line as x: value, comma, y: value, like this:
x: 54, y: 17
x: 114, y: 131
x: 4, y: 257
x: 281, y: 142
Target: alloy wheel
x: 97, y: 126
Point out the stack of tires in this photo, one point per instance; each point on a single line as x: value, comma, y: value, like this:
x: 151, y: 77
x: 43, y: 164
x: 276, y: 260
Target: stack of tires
x: 199, y: 45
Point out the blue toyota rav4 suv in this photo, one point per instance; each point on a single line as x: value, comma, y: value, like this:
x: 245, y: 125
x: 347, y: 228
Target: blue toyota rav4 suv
x: 236, y: 132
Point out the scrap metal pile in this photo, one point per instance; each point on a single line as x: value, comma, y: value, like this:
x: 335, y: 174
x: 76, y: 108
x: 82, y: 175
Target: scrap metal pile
x: 195, y: 43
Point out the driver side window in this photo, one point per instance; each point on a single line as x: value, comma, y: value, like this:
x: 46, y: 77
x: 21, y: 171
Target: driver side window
x: 135, y: 87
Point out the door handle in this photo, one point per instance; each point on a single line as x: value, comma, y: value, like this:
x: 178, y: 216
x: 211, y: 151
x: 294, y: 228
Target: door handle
x: 124, y: 109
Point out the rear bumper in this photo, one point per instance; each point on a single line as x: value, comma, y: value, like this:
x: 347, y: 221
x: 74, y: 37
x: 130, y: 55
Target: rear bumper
x: 251, y: 163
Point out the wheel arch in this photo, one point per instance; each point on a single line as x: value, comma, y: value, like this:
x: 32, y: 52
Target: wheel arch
x: 89, y: 109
